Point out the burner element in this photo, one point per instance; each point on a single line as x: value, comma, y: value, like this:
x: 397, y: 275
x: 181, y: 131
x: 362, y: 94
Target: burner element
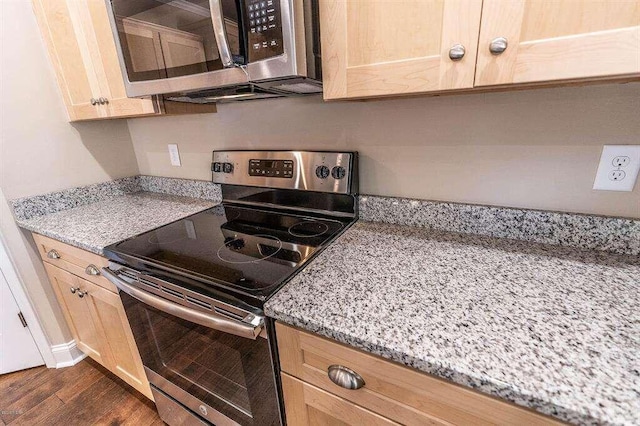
x: 308, y: 229
x: 258, y: 247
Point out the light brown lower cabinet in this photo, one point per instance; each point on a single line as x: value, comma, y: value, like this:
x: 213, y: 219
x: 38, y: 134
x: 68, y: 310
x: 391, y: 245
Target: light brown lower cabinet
x: 392, y: 393
x: 309, y: 405
x: 97, y: 321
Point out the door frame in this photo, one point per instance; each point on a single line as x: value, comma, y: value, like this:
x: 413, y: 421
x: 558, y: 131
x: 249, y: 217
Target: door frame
x: 24, y: 304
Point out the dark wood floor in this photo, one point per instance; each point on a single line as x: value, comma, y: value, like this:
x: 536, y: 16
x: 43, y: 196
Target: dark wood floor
x: 85, y: 394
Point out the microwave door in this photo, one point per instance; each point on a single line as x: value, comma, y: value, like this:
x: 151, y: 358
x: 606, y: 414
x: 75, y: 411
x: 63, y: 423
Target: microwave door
x: 172, y: 46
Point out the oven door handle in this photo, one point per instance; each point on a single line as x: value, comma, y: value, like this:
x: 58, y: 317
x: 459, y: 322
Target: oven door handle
x: 216, y: 322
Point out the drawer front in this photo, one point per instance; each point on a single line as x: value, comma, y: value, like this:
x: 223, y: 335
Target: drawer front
x: 394, y: 391
x: 307, y: 405
x: 72, y: 259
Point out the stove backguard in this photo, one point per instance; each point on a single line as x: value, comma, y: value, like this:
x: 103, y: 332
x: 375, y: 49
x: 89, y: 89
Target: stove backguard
x: 313, y: 181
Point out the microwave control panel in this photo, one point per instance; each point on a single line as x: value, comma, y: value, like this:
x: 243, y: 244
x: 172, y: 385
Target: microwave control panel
x: 264, y: 28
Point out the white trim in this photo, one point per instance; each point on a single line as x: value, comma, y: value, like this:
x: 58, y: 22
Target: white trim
x: 24, y: 304
x: 67, y: 354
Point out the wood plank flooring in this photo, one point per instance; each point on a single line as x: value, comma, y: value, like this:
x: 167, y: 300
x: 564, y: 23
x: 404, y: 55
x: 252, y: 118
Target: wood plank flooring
x: 85, y: 394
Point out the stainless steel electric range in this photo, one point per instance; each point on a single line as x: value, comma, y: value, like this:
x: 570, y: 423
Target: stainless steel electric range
x: 194, y: 290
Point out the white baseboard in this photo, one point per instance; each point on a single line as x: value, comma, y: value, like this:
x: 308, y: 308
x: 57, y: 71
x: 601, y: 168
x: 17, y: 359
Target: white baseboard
x: 67, y: 354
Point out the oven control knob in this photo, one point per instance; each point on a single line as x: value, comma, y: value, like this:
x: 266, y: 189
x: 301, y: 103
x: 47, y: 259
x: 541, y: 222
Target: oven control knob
x: 338, y: 172
x: 322, y: 172
x: 227, y: 167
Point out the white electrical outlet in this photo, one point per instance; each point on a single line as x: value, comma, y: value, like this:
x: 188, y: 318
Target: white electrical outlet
x: 174, y: 155
x: 618, y: 169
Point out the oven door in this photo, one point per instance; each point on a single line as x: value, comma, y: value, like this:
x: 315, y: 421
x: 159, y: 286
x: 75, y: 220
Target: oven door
x: 224, y: 377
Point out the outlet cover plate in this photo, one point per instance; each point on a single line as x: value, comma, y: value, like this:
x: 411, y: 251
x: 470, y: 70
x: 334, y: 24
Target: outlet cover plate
x: 174, y: 155
x: 618, y: 168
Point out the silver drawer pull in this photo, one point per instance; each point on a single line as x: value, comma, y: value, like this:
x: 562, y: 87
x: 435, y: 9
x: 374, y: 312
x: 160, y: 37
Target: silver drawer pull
x: 345, y: 377
x: 74, y: 289
x: 92, y: 270
x: 81, y: 293
x: 52, y: 254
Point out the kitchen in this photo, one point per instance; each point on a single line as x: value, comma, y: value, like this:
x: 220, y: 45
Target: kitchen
x: 484, y: 280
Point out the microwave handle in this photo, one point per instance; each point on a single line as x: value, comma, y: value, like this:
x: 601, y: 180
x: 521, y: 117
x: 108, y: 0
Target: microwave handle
x: 216, y: 322
x: 220, y: 33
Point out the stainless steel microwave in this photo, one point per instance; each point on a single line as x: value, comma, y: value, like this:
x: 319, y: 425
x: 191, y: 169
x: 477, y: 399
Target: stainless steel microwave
x: 217, y: 50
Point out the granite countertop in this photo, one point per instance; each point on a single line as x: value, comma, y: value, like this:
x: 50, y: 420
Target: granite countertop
x: 94, y: 226
x: 556, y: 329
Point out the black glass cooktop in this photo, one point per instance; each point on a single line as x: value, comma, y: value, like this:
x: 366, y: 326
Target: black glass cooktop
x: 249, y: 250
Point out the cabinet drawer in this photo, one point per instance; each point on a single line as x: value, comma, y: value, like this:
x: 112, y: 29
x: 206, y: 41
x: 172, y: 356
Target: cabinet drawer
x: 308, y: 405
x: 397, y: 392
x: 73, y: 259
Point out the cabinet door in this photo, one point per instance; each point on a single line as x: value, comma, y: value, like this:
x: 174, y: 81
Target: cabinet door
x: 308, y: 405
x: 384, y: 47
x: 82, y: 49
x: 58, y: 20
x: 123, y: 358
x: 558, y: 40
x: 77, y: 313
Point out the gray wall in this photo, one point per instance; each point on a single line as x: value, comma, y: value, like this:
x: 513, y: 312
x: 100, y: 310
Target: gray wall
x: 534, y: 149
x: 41, y: 152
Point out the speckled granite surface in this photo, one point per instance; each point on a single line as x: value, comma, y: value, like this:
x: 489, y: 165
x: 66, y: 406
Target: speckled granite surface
x: 95, y: 226
x: 39, y: 205
x: 553, y: 328
x: 183, y: 187
x: 567, y: 229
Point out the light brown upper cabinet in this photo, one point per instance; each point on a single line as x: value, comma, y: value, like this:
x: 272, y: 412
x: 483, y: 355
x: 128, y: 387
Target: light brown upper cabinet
x: 377, y: 48
x: 526, y: 41
x: 81, y: 46
x: 396, y: 47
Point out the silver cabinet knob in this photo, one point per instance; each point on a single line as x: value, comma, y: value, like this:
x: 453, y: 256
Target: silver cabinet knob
x: 81, y: 293
x: 94, y: 101
x: 498, y: 45
x: 456, y: 52
x: 345, y: 377
x: 103, y: 101
x: 53, y: 254
x: 74, y: 289
x: 92, y: 270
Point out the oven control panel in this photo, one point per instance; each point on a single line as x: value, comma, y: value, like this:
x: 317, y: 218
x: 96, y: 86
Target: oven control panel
x: 271, y: 168
x: 302, y: 170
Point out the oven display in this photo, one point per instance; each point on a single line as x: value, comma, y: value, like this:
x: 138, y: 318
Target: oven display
x: 271, y: 168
